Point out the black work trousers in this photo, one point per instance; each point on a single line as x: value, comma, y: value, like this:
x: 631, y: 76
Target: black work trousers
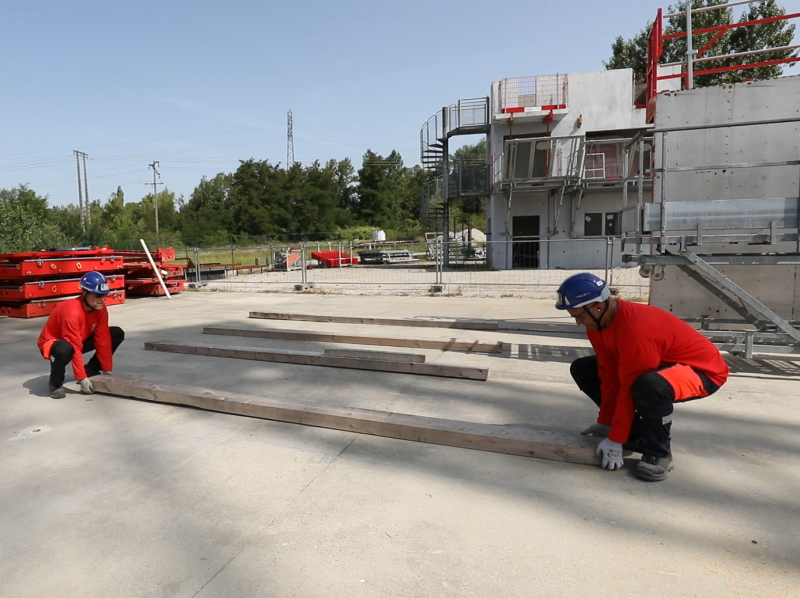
x: 61, y: 356
x: 652, y: 395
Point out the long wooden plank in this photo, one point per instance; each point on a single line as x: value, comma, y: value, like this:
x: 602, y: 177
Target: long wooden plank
x: 540, y: 444
x: 381, y: 355
x: 356, y: 339
x: 310, y: 358
x: 419, y: 322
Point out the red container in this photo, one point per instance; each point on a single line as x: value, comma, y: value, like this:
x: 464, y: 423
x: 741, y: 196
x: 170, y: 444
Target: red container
x: 333, y: 259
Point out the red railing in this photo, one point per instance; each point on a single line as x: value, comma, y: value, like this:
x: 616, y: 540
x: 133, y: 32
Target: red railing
x: 655, y: 49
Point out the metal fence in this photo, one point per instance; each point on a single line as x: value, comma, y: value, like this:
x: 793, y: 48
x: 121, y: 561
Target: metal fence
x: 546, y: 92
x: 460, y: 267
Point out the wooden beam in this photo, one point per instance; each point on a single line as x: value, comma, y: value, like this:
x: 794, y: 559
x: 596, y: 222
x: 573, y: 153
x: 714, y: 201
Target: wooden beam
x: 540, y: 444
x: 419, y: 322
x: 355, y: 339
x: 310, y: 358
x: 381, y: 355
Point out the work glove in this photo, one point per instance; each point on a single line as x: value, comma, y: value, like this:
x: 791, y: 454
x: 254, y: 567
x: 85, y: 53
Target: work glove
x: 611, y: 453
x: 597, y: 430
x: 87, y: 386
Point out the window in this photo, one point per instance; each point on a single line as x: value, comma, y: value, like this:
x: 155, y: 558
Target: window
x: 600, y: 224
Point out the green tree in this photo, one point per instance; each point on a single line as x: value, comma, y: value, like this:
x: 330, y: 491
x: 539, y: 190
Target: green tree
x: 257, y: 201
x: 25, y: 222
x: 633, y: 53
x: 379, y: 203
x: 207, y: 216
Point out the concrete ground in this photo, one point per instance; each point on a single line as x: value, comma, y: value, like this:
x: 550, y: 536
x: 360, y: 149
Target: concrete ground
x: 104, y: 497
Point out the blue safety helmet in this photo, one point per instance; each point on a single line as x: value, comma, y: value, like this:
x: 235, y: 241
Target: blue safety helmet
x: 581, y: 289
x: 94, y: 282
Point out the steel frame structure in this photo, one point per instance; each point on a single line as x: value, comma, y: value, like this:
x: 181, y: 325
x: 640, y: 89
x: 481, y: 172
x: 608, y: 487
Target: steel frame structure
x: 655, y: 49
x: 671, y: 228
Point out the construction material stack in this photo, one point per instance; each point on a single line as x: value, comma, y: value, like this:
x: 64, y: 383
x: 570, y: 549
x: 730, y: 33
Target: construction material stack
x: 140, y: 278
x: 32, y: 284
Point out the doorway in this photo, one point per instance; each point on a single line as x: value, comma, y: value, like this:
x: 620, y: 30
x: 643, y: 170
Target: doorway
x: 525, y: 242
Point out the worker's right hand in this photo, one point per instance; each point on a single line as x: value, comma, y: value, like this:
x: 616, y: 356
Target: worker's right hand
x: 611, y: 453
x: 597, y: 430
x: 87, y: 386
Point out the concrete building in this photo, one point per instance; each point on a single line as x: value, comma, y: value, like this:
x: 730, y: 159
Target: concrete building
x: 560, y: 169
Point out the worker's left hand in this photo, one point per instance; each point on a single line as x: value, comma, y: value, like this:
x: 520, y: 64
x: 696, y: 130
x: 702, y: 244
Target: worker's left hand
x: 611, y: 453
x: 106, y: 373
x: 87, y: 386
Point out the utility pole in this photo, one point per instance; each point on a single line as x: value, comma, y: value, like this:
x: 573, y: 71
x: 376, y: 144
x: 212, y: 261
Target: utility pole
x: 88, y: 202
x: 83, y: 205
x: 80, y: 190
x: 155, y: 192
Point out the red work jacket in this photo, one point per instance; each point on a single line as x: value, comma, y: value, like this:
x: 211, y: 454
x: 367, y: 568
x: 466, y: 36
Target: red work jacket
x: 71, y: 322
x: 640, y: 339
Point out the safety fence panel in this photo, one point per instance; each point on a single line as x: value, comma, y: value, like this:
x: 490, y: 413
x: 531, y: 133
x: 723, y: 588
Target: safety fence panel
x: 522, y: 268
x: 544, y: 92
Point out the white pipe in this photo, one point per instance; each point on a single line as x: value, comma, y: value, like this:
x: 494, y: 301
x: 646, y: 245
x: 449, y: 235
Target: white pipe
x: 709, y: 8
x: 155, y: 269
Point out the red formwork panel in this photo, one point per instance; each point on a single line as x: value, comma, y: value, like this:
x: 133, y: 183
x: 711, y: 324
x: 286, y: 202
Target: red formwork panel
x: 35, y: 309
x: 54, y: 267
x: 159, y: 255
x: 332, y: 259
x: 104, y: 251
x: 46, y: 289
x: 150, y: 287
x: 146, y: 270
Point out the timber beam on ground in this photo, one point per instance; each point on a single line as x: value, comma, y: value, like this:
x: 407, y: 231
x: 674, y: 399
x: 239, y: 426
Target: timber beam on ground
x: 356, y: 339
x: 510, y: 440
x: 565, y: 327
x: 491, y: 325
x: 380, y: 355
x: 320, y: 359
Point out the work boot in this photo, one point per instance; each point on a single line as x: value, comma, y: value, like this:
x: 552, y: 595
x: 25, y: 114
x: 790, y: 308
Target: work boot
x: 57, y: 392
x: 654, y: 469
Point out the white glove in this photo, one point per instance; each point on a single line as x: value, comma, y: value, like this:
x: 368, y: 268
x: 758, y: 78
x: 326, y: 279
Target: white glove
x: 87, y: 386
x: 597, y: 430
x: 611, y: 452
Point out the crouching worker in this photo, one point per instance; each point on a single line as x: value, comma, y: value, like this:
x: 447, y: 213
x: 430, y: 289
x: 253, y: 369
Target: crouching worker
x: 78, y: 326
x: 646, y: 359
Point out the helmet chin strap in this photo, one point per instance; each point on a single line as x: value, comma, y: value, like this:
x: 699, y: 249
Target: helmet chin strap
x: 597, y: 320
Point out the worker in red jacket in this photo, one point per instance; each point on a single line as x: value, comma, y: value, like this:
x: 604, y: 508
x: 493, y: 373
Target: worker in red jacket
x: 78, y: 326
x: 646, y: 359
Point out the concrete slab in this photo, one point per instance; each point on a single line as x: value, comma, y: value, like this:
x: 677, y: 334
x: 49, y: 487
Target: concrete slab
x: 103, y: 496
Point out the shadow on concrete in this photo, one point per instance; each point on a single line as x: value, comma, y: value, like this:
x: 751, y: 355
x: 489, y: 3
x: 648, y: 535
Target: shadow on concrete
x: 721, y: 434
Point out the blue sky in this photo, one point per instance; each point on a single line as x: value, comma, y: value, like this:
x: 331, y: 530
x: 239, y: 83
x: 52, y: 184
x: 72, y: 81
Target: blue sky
x: 198, y: 85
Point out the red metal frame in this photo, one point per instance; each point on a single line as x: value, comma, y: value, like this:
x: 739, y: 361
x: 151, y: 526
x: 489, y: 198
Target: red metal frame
x: 151, y: 287
x: 58, y: 267
x: 655, y: 48
x: 46, y: 289
x: 35, y: 309
x: 723, y: 28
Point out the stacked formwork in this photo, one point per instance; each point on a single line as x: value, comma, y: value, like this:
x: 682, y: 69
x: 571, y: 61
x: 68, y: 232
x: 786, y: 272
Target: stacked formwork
x: 32, y: 284
x: 140, y: 278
